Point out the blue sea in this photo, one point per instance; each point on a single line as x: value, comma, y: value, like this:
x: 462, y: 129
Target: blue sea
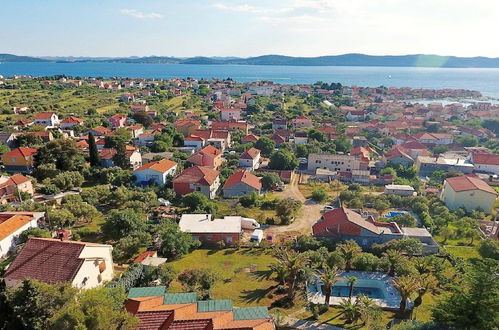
x: 483, y: 80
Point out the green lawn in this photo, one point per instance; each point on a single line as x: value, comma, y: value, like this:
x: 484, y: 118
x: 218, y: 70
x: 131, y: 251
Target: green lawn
x: 465, y: 252
x: 333, y: 189
x: 244, y: 274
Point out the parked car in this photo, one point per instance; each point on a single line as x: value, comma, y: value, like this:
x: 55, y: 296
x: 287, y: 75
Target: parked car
x: 269, y: 238
x: 248, y: 223
x: 327, y: 208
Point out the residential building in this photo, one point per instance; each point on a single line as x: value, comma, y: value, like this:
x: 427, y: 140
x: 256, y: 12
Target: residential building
x: 209, y: 156
x: 242, y: 183
x: 194, y: 141
x: 301, y: 122
x: 156, y: 172
x: 187, y: 127
x: 20, y: 160
x: 117, y: 121
x: 53, y: 261
x: 250, y: 159
x: 100, y: 131
x: 157, y: 309
x: 230, y: 114
x: 230, y: 126
x: 207, y: 230
x: 485, y: 162
x: 133, y: 154
x: 434, y: 138
x: 145, y: 139
x: 399, y: 189
x: 250, y: 138
x: 47, y: 119
x: 334, y: 162
x: 279, y: 124
x: 345, y: 224
x: 71, y: 122
x: 196, y: 178
x: 469, y: 192
x: 12, y: 224
x: 9, y: 139
x: 11, y: 187
x: 425, y: 166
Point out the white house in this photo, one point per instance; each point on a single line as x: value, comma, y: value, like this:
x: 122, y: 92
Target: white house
x: 84, y: 265
x: 47, y: 119
x: 250, y: 159
x: 230, y: 114
x: 12, y: 224
x: 333, y: 162
x: 399, y: 189
x: 469, y: 192
x: 194, y: 141
x: 156, y: 172
x: 485, y: 162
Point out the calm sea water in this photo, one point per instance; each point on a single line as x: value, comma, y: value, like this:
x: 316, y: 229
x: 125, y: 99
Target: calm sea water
x: 483, y: 80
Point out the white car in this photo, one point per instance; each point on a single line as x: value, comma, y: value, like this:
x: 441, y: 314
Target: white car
x: 327, y: 208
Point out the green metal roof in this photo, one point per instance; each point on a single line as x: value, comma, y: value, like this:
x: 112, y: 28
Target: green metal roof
x: 214, y: 305
x: 251, y: 313
x: 180, y: 298
x: 151, y: 291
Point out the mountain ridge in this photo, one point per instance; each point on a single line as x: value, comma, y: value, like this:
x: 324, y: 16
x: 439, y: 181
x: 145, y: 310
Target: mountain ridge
x: 353, y: 59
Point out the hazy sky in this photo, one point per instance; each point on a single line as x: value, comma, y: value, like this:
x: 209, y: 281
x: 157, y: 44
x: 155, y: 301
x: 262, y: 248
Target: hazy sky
x: 248, y: 27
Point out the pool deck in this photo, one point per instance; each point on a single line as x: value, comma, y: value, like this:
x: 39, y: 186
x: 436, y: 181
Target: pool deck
x: 391, y: 301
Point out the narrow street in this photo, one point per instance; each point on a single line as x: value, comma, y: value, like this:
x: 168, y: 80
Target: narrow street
x: 309, y: 213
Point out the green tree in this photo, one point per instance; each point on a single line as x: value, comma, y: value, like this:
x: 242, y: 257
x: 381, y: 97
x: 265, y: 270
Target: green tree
x: 100, y: 308
x: 268, y: 180
x: 61, y: 218
x: 393, y: 257
x: 265, y: 145
x: 472, y: 304
x: 30, y: 140
x: 34, y: 232
x: 327, y: 275
x: 196, y: 202
x: 120, y: 223
x: 286, y: 209
x: 489, y: 248
x: 301, y: 151
x: 351, y: 282
x: 165, y: 274
x: 405, y: 285
x: 68, y: 180
x: 319, y: 195
x: 349, y: 311
x: 343, y: 144
x: 95, y: 159
x: 175, y: 243
x: 63, y: 153
x: 295, y: 264
x: 199, y: 280
x: 143, y: 118
x: 283, y: 160
x: 348, y: 250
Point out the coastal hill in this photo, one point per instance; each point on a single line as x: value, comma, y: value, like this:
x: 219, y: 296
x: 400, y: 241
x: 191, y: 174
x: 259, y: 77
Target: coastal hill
x: 334, y: 60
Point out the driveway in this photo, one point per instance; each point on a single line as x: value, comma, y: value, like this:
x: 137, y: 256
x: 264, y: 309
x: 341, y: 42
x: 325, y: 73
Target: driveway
x: 309, y: 213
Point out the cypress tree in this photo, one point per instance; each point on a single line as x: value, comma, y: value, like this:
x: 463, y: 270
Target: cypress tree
x: 94, y: 153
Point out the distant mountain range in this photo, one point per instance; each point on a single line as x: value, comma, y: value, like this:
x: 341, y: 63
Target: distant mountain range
x: 334, y: 60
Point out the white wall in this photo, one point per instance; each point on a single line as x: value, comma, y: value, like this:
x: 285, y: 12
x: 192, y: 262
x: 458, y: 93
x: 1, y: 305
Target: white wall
x: 10, y: 242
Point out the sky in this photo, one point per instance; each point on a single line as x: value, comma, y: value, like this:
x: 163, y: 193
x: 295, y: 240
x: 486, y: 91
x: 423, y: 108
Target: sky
x: 244, y: 28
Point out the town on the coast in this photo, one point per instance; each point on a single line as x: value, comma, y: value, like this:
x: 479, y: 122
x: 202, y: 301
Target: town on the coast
x: 217, y: 204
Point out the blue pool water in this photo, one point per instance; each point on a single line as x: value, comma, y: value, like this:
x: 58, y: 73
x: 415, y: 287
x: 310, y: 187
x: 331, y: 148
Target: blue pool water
x: 392, y: 214
x: 342, y: 291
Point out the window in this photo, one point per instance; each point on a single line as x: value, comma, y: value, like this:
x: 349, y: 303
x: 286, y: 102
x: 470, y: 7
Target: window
x: 229, y: 239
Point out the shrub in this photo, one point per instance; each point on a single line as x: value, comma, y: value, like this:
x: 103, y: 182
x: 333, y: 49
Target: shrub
x: 319, y: 195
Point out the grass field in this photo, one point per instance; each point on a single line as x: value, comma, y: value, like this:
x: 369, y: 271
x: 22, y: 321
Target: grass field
x: 333, y: 189
x: 244, y: 274
x: 463, y: 251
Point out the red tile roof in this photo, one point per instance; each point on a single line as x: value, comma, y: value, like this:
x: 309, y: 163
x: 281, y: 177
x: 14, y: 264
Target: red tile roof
x: 244, y: 177
x: 250, y: 138
x: 161, y: 166
x: 251, y: 153
x: 72, y: 120
x: 198, y: 175
x: 149, y: 320
x: 47, y: 260
x: 486, y: 159
x: 21, y: 152
x: 44, y: 115
x: 465, y: 183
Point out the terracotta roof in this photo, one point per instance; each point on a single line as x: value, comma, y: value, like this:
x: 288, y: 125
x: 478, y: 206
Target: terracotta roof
x: 251, y: 153
x: 144, y: 255
x: 19, y: 178
x: 9, y: 226
x: 485, y: 158
x: 21, y: 152
x: 465, y: 183
x: 210, y: 150
x: 250, y: 138
x: 345, y: 214
x: 101, y: 129
x: 245, y: 177
x: 197, y: 174
x: 44, y: 115
x: 46, y: 260
x: 72, y: 119
x: 192, y: 324
x: 161, y: 166
x: 149, y: 320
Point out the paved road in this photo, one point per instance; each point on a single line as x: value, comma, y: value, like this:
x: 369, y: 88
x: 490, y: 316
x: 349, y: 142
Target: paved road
x: 310, y: 211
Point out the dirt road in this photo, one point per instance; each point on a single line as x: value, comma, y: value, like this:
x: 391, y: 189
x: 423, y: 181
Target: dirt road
x: 310, y: 211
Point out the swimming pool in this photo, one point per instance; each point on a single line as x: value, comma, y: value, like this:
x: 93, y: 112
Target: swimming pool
x: 343, y: 291
x: 392, y: 214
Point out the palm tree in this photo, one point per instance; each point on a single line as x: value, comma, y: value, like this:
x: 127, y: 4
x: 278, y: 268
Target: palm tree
x: 349, y: 310
x: 295, y: 264
x: 349, y: 250
x: 328, y: 277
x: 426, y: 283
x: 423, y: 265
x: 351, y: 281
x: 393, y: 258
x: 405, y: 285
x: 368, y: 309
x: 281, y: 273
